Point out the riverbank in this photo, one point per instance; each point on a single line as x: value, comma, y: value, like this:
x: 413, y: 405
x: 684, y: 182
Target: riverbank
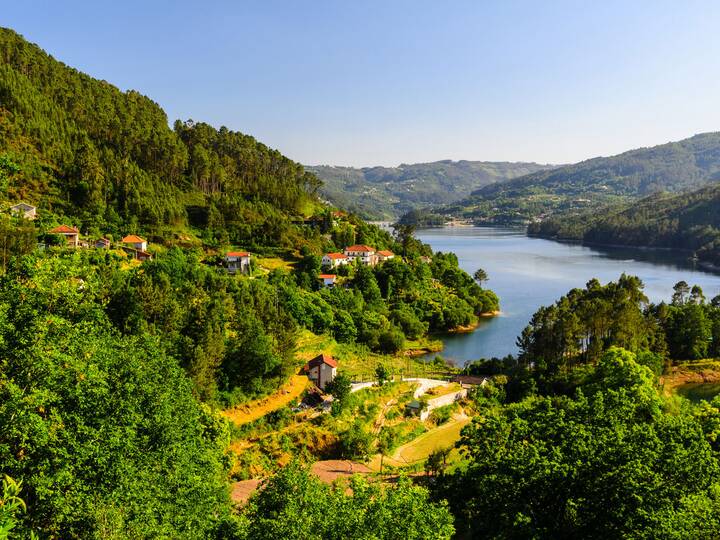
x: 581, y: 242
x: 469, y: 328
x: 696, y: 372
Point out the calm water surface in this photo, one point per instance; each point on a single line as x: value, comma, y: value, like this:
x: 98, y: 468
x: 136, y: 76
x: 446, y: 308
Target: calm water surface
x: 530, y: 272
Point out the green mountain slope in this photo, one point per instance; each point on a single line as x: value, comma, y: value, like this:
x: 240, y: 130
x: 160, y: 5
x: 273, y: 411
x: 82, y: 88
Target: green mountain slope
x: 683, y: 221
x: 388, y: 192
x: 673, y: 167
x: 85, y: 151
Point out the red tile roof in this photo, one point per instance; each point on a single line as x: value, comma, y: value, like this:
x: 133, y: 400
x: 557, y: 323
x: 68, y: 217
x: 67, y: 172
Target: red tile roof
x: 237, y: 254
x: 133, y: 239
x: 323, y: 359
x: 385, y: 253
x: 360, y: 247
x: 336, y: 255
x: 327, y: 276
x: 64, y: 229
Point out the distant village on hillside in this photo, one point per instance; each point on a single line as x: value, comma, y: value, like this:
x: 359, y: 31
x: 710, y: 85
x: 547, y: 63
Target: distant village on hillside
x: 235, y: 261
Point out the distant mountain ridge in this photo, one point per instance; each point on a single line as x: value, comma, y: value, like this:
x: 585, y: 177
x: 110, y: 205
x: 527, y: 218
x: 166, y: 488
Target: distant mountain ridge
x: 674, y: 167
x: 388, y: 192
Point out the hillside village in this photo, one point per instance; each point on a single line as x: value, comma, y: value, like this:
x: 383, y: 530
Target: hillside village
x: 190, y: 277
x: 235, y: 261
x: 421, y: 398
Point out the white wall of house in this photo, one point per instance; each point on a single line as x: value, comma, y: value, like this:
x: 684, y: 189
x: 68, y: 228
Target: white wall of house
x: 365, y: 257
x: 322, y: 374
x: 334, y: 263
x: 73, y: 239
x: 237, y: 264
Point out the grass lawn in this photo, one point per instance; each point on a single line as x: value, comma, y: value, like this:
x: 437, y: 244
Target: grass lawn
x: 253, y: 410
x: 418, y: 450
x: 273, y: 263
x: 440, y: 437
x: 357, y: 361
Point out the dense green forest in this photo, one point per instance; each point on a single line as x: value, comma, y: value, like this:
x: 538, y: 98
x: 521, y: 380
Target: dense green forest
x: 108, y: 161
x: 112, y: 373
x: 389, y: 192
x: 103, y: 426
x: 671, y: 167
x: 689, y: 221
x: 576, y: 438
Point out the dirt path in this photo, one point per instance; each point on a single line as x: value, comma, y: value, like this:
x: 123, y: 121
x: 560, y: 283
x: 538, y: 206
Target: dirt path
x: 380, y: 422
x: 253, y: 410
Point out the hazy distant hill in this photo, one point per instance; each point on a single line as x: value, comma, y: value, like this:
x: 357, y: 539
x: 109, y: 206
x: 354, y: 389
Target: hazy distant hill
x: 387, y: 192
x: 673, y: 167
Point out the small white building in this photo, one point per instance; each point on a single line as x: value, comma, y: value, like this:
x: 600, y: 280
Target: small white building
x: 417, y: 408
x: 365, y: 254
x: 328, y: 280
x: 237, y: 261
x: 333, y: 260
x: 321, y: 370
x: 135, y: 242
x: 384, y: 255
x: 24, y: 210
x: 71, y: 234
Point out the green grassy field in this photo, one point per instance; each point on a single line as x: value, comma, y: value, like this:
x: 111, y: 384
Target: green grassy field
x: 440, y: 437
x: 417, y: 451
x: 359, y: 362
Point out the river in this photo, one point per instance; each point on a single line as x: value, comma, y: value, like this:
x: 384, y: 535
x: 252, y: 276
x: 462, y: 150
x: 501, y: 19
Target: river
x: 531, y: 272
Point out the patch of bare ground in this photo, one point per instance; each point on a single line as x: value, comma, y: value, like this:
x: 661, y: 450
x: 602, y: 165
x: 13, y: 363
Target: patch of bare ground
x: 707, y: 372
x: 327, y: 471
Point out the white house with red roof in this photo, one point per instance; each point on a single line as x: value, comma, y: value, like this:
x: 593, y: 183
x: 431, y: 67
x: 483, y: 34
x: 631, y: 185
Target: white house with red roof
x: 328, y: 280
x: 333, y: 260
x: 71, y: 234
x: 321, y: 370
x: 237, y: 261
x: 134, y: 241
x: 385, y: 255
x: 365, y: 254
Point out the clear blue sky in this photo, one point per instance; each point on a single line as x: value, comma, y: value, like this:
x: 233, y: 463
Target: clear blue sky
x: 392, y: 81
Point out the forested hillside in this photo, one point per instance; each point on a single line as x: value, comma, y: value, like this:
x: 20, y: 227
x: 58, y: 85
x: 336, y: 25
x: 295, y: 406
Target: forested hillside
x: 672, y: 167
x: 114, y: 369
x: 105, y: 159
x: 689, y: 221
x: 388, y: 192
x: 577, y: 438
